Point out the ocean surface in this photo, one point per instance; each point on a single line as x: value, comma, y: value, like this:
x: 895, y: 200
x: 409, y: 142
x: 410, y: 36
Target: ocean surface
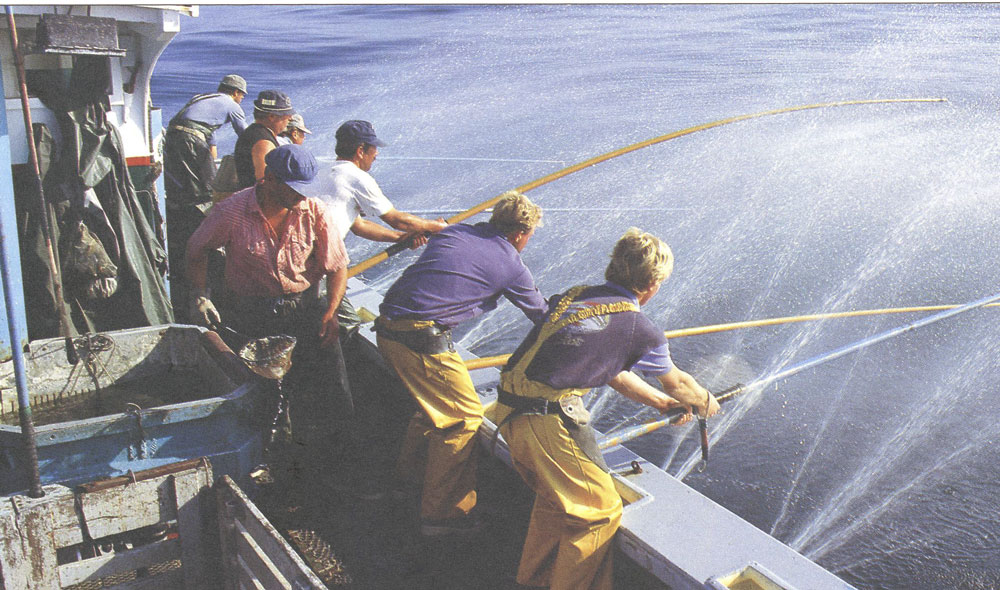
x: 880, y: 465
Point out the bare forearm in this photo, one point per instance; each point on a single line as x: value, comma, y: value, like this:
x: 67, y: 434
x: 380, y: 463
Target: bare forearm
x: 636, y: 389
x: 336, y: 286
x: 409, y: 223
x: 684, y: 388
x: 370, y: 230
x: 197, y: 273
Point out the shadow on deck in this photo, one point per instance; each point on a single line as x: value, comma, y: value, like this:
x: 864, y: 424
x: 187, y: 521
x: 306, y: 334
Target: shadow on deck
x: 375, y: 545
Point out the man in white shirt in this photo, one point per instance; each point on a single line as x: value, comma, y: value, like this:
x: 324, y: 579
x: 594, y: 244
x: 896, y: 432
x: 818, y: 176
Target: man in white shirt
x: 352, y: 194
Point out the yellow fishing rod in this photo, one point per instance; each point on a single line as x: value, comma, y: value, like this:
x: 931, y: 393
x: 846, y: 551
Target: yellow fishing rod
x: 496, y: 361
x: 396, y: 248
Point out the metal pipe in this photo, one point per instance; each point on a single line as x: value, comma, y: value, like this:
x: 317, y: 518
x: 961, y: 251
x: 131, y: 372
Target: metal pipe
x: 655, y: 424
x: 396, y: 248
x: 16, y: 337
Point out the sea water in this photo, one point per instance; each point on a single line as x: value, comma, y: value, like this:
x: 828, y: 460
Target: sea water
x: 881, y: 465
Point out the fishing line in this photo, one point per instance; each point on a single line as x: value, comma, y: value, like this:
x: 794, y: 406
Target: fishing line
x: 455, y: 159
x: 396, y: 248
x: 650, y: 426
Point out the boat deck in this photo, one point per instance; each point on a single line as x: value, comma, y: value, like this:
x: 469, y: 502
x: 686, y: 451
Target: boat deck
x: 355, y: 543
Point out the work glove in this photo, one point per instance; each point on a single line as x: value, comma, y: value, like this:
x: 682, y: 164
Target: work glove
x: 203, y: 311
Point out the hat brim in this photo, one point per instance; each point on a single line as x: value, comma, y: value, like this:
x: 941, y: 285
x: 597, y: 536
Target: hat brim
x: 274, y: 111
x: 317, y: 187
x: 303, y: 187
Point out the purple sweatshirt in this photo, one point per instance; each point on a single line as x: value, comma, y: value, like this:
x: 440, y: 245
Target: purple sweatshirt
x: 461, y: 274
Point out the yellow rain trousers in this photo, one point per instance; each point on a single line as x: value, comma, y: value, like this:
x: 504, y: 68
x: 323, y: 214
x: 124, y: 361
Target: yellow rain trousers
x: 440, y: 439
x: 577, y: 510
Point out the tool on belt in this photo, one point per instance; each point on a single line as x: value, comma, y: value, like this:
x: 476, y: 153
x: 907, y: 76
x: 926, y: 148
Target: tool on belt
x: 569, y: 404
x: 431, y: 339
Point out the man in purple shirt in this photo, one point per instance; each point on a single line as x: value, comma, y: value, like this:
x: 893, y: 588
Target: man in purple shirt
x: 462, y: 274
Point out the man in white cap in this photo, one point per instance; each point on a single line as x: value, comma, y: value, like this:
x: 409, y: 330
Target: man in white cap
x: 295, y: 132
x: 189, y: 166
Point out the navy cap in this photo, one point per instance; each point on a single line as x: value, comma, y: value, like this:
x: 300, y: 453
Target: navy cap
x: 358, y: 132
x: 274, y: 102
x: 293, y: 165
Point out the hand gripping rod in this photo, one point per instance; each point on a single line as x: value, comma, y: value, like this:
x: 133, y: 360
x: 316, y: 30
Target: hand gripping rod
x: 647, y: 427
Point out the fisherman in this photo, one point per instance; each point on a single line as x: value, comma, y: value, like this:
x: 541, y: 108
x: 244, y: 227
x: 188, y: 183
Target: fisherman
x: 189, y: 154
x: 460, y: 275
x: 279, y: 245
x: 295, y: 132
x: 351, y: 193
x: 592, y: 336
x: 271, y: 112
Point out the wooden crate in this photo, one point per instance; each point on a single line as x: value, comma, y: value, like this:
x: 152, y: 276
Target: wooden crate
x: 98, y: 536
x: 255, y: 555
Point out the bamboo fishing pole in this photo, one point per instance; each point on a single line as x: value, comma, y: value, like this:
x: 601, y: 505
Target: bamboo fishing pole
x: 497, y: 360
x: 657, y: 423
x: 399, y: 247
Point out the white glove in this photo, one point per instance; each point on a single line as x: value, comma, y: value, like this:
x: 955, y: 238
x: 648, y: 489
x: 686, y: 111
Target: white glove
x: 203, y: 312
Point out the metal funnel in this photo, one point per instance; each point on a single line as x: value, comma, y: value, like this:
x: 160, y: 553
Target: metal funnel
x: 269, y: 357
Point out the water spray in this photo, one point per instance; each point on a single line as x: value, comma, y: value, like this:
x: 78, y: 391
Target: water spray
x: 397, y: 248
x: 723, y: 397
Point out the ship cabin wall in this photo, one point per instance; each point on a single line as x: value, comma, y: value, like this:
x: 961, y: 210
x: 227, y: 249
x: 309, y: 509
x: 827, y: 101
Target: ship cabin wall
x: 143, y: 32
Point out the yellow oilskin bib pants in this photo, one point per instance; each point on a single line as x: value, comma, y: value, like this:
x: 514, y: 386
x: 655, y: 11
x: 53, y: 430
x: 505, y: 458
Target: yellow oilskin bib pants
x: 577, y: 510
x: 438, y: 449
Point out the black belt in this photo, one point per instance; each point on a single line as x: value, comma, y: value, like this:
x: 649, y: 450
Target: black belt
x: 281, y: 306
x: 429, y: 340
x: 583, y: 435
x: 527, y: 405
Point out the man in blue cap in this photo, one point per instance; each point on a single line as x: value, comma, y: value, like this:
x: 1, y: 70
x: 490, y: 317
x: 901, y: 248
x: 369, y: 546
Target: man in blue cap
x: 271, y: 113
x: 189, y: 166
x: 351, y: 192
x: 278, y: 247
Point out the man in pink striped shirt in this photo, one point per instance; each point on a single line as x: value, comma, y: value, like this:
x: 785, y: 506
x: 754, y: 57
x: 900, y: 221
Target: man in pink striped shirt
x: 278, y: 247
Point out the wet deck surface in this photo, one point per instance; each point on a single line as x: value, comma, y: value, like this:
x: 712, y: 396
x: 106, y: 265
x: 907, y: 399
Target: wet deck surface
x: 375, y: 544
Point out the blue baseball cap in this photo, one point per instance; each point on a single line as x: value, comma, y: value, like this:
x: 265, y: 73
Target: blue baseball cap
x: 293, y: 165
x: 358, y: 132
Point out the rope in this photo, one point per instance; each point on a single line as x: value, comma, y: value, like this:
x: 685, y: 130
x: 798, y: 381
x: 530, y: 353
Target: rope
x: 378, y: 258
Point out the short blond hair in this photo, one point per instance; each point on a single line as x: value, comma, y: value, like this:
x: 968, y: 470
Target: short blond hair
x: 515, y: 212
x: 639, y: 260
